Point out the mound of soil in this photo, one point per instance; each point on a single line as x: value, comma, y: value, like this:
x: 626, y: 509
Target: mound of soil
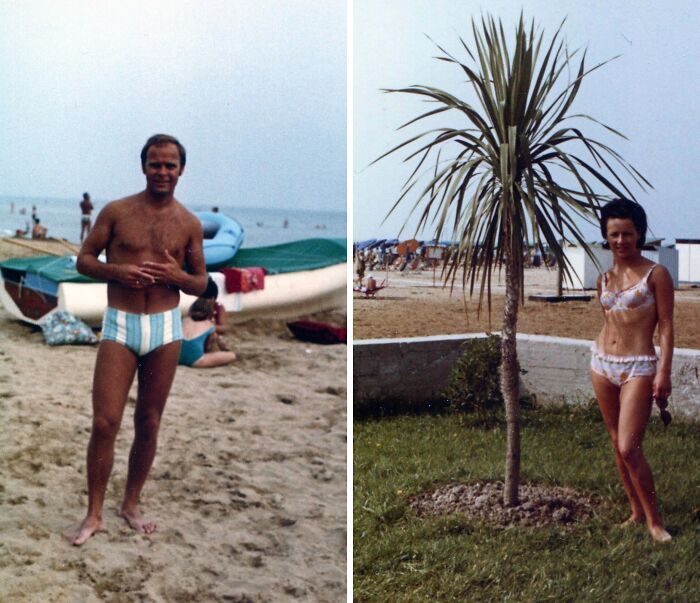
x: 540, y: 505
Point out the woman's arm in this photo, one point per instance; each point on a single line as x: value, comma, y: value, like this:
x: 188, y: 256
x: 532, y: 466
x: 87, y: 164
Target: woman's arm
x: 662, y: 284
x: 220, y: 319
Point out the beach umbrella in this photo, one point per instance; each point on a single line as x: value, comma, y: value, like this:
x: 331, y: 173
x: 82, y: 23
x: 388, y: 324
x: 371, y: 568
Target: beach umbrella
x: 364, y: 244
x: 512, y: 169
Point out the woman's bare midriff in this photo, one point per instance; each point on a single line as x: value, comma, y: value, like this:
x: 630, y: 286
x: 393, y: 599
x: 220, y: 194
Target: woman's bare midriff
x: 628, y: 332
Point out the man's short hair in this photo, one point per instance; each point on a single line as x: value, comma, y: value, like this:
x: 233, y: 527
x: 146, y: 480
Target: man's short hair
x: 161, y: 139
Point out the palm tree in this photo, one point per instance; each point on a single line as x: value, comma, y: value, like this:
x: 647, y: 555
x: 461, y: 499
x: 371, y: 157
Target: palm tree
x: 516, y: 175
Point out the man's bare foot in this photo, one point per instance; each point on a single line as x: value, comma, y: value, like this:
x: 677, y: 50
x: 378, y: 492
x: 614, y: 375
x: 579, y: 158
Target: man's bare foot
x: 137, y: 521
x: 659, y: 534
x: 88, y: 527
x: 632, y: 521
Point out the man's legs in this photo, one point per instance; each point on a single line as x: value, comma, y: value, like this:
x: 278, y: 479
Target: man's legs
x: 156, y: 373
x: 114, y: 372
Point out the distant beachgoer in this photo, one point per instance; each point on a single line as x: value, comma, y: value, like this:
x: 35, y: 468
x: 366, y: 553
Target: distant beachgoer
x: 215, y: 209
x: 86, y: 208
x: 636, y: 295
x: 360, y: 265
x: 201, y: 330
x: 285, y: 224
x: 35, y: 218
x: 148, y: 237
x: 38, y: 231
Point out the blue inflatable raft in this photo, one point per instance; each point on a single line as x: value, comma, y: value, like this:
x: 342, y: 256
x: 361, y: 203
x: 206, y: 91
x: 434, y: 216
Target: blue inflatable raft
x: 223, y: 237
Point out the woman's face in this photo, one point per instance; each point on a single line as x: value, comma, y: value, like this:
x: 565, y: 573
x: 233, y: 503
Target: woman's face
x: 622, y: 236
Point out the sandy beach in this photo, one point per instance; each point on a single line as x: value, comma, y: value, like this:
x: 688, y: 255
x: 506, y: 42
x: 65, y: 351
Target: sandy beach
x: 416, y: 304
x: 248, y: 487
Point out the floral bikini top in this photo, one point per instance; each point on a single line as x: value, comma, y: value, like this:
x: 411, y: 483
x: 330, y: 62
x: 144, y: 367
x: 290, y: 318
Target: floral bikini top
x: 636, y: 296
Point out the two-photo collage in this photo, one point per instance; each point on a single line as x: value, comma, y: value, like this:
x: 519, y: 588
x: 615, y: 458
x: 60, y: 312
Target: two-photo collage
x: 348, y: 300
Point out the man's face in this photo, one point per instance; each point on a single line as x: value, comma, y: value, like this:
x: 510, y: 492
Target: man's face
x: 162, y: 169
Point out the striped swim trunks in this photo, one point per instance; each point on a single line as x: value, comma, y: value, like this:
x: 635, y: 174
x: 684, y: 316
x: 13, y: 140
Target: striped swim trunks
x: 142, y: 333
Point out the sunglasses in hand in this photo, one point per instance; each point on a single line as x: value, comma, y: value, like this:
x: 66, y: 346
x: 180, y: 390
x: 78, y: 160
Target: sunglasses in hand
x: 662, y: 403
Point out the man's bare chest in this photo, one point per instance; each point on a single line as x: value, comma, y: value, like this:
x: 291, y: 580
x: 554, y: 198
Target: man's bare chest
x: 150, y: 234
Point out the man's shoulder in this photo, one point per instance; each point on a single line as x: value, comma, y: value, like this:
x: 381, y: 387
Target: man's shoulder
x: 188, y: 217
x: 124, y: 201
x: 119, y: 207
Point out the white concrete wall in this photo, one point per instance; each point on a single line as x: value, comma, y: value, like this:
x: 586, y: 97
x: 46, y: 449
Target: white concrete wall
x: 416, y: 370
x: 586, y: 272
x: 668, y: 257
x: 688, y: 262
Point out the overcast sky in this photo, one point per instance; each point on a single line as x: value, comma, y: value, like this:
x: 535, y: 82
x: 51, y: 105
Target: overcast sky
x: 254, y: 89
x: 650, y: 93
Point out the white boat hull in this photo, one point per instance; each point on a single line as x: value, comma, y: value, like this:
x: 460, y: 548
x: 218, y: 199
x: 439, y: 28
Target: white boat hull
x: 284, y: 296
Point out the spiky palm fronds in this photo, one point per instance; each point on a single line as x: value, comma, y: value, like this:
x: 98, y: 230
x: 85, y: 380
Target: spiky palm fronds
x: 521, y: 173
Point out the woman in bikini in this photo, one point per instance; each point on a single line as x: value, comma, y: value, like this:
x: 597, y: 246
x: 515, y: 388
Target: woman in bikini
x: 636, y: 295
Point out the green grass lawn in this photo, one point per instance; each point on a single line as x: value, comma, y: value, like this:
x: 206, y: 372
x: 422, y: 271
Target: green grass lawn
x: 399, y: 557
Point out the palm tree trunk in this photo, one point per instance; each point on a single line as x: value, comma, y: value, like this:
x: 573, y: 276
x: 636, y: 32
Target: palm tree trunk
x: 510, y: 382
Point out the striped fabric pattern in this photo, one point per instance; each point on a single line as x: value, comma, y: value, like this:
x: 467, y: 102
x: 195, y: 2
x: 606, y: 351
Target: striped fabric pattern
x: 142, y: 333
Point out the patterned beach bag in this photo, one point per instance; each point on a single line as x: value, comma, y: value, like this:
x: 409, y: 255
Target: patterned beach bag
x: 62, y: 328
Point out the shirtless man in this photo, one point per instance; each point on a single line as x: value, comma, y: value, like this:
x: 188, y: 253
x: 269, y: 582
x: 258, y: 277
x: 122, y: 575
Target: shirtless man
x: 86, y: 208
x: 147, y: 238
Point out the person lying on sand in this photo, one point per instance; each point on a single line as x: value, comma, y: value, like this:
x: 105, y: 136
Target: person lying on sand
x: 206, y: 320
x: 148, y: 237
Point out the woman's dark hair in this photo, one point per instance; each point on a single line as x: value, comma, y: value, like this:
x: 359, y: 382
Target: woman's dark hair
x: 212, y: 290
x: 624, y: 209
x: 161, y: 139
x: 201, y: 308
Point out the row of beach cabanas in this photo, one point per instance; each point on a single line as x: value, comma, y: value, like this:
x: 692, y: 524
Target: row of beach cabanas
x: 682, y: 259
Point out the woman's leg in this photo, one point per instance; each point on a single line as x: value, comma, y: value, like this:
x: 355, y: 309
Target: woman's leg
x: 212, y: 359
x: 608, y: 395
x: 635, y: 408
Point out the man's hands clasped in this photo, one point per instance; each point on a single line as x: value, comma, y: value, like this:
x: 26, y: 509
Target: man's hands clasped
x: 151, y: 273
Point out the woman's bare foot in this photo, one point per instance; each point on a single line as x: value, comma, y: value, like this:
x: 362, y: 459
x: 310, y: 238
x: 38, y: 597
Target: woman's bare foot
x: 88, y: 527
x: 632, y: 521
x: 659, y: 534
x: 137, y: 521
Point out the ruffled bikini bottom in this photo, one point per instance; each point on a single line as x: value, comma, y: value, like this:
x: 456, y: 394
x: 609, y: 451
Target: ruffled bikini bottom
x: 620, y: 369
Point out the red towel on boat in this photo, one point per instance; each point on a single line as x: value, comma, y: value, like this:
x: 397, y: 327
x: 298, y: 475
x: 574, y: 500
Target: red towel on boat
x: 243, y: 280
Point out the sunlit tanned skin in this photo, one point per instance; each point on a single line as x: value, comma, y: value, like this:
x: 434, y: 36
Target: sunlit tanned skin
x: 148, y: 238
x: 626, y: 409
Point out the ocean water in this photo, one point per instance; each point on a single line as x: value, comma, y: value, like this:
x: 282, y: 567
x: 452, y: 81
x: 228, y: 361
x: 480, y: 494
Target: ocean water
x: 261, y: 226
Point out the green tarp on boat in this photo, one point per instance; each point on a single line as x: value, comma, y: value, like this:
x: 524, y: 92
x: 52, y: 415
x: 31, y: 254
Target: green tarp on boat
x: 308, y: 254
x: 59, y: 269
